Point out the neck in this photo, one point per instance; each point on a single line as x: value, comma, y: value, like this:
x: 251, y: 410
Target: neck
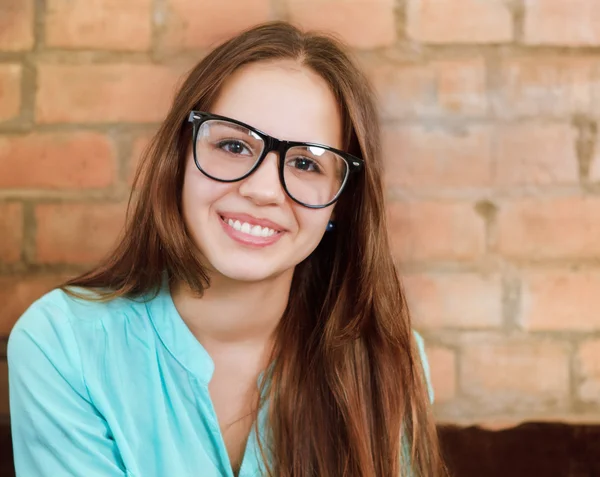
x: 232, y: 312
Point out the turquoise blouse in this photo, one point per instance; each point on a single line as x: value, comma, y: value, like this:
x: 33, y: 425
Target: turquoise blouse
x: 115, y: 389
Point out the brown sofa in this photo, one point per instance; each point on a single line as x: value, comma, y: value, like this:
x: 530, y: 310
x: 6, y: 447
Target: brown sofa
x: 530, y: 450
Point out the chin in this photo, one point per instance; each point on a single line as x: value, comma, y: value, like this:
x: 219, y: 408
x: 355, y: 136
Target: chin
x: 243, y: 268
x: 246, y: 274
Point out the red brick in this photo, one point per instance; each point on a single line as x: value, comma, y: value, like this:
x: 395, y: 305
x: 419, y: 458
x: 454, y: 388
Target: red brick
x: 448, y: 87
x: 202, y: 24
x: 16, y: 25
x: 102, y: 24
x: 11, y: 232
x: 359, y: 23
x: 407, y: 90
x: 588, y: 361
x: 560, y: 22
x: 515, y: 375
x: 560, y: 300
x: 17, y: 293
x: 549, y: 228
x: 433, y: 231
x: 442, y: 363
x: 534, y: 153
x: 57, y: 161
x: 557, y: 86
x: 462, y: 86
x: 10, y: 91
x: 595, y: 166
x: 76, y: 233
x: 459, y: 21
x: 417, y: 157
x: 104, y: 93
x: 454, y: 300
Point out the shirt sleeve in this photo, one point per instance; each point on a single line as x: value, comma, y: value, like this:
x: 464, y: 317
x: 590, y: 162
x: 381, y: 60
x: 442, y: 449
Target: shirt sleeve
x: 425, y: 363
x: 56, y: 430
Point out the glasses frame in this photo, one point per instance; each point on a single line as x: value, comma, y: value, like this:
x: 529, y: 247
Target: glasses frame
x: 353, y: 163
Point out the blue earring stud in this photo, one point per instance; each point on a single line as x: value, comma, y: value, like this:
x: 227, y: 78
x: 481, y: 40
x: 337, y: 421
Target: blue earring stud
x: 330, y: 226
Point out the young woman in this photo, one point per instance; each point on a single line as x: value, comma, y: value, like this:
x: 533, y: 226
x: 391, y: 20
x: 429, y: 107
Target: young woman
x: 251, y: 321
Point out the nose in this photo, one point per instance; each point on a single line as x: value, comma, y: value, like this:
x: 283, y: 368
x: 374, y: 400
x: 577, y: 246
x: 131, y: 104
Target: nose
x: 263, y: 186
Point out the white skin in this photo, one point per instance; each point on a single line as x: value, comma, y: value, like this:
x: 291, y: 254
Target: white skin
x: 237, y: 315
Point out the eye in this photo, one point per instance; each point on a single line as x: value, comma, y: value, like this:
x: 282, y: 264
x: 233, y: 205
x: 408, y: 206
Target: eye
x: 234, y: 147
x: 304, y: 164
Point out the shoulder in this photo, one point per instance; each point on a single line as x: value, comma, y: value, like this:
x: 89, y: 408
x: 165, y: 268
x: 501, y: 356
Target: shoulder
x: 425, y: 363
x: 59, y: 324
x: 58, y: 310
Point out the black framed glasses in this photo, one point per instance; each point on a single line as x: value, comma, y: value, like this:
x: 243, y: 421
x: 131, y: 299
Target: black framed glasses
x: 227, y: 150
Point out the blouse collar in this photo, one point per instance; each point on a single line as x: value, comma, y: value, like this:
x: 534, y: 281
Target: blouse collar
x: 177, y: 337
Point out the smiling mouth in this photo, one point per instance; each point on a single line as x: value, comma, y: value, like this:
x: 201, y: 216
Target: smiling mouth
x: 250, y: 229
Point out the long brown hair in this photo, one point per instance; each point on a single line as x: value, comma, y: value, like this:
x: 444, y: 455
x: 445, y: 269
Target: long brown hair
x: 346, y: 392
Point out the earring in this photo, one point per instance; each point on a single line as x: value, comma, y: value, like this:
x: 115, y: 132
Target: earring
x: 330, y: 226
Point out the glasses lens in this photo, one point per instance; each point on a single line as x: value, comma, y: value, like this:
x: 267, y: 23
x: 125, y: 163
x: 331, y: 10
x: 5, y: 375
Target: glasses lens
x: 314, y: 175
x: 225, y: 150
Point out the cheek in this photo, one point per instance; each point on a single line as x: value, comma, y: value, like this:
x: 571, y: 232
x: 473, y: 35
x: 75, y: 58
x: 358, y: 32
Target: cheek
x: 199, y: 189
x: 199, y: 193
x: 312, y: 223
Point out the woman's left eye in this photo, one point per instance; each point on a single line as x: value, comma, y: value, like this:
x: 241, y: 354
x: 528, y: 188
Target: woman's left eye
x: 304, y: 164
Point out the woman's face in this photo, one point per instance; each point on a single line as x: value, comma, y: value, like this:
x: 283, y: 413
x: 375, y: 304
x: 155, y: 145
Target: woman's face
x: 288, y: 102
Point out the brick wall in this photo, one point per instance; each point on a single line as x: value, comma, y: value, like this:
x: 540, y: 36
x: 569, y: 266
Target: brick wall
x: 490, y: 110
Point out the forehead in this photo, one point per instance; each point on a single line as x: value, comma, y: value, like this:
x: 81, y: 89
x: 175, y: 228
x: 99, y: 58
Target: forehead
x: 283, y: 99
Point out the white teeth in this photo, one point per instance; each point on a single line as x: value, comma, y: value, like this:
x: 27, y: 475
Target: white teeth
x: 255, y: 230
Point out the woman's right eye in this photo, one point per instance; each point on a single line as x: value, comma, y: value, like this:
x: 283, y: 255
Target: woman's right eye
x: 234, y: 147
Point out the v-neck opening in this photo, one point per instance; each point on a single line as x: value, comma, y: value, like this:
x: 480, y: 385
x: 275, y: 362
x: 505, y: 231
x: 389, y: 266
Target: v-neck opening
x: 181, y: 343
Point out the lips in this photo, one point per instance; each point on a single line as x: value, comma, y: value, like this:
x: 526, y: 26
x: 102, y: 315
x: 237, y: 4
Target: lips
x: 250, y: 231
x: 251, y: 221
